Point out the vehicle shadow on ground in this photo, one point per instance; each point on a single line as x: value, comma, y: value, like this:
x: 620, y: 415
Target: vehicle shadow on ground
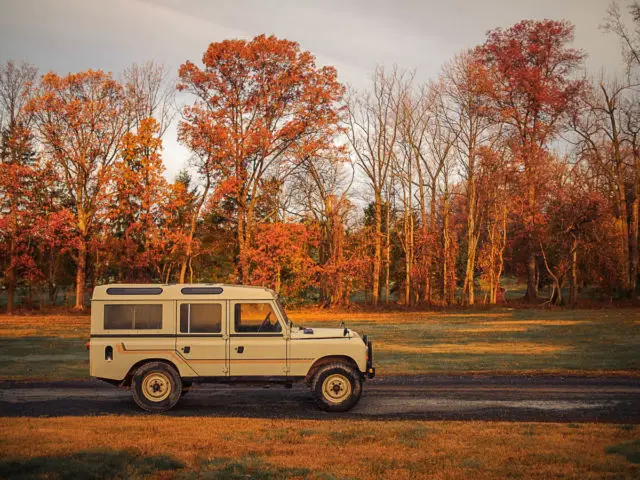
x: 88, y: 465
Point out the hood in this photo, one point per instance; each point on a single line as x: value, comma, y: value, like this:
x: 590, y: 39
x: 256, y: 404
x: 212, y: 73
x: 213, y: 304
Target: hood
x: 323, y: 333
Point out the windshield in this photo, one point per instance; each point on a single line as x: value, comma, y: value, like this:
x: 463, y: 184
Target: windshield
x: 283, y: 311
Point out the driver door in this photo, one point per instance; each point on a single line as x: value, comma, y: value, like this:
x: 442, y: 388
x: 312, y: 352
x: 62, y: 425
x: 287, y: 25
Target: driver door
x: 257, y: 342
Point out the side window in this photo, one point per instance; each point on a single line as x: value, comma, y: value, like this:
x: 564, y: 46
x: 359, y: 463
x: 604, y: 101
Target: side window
x: 200, y: 318
x: 133, y: 317
x: 255, y: 318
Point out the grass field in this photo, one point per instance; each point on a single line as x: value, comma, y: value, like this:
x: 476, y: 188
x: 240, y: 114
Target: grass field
x: 219, y: 448
x: 51, y: 347
x: 498, y: 341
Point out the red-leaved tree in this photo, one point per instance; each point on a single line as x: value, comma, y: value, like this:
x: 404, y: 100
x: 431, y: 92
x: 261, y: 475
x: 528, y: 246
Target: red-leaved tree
x: 261, y: 107
x: 532, y: 71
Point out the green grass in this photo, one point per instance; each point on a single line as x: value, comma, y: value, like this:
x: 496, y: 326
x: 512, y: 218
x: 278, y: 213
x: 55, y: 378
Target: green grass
x: 600, y: 340
x: 44, y: 358
x: 491, y: 341
x: 629, y: 450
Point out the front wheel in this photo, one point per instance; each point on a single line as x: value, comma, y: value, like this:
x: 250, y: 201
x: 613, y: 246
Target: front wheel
x: 156, y: 387
x: 336, y: 387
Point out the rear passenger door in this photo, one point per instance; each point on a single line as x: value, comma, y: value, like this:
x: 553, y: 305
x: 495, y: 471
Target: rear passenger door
x: 257, y: 343
x: 201, y: 338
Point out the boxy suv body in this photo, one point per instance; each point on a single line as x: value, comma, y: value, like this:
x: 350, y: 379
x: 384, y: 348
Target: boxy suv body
x: 159, y: 339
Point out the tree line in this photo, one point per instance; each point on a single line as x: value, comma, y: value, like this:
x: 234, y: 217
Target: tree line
x: 513, y: 161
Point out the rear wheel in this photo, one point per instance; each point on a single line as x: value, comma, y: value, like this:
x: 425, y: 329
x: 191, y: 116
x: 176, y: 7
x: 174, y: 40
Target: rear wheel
x: 336, y: 387
x: 156, y: 387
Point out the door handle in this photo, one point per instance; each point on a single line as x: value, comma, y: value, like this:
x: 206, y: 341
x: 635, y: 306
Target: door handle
x: 186, y: 349
x: 239, y: 349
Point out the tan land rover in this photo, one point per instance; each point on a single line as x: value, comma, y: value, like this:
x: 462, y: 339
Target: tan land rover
x: 159, y: 339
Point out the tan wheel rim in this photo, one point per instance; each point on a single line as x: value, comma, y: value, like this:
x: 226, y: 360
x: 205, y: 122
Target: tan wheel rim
x: 156, y: 387
x: 336, y: 388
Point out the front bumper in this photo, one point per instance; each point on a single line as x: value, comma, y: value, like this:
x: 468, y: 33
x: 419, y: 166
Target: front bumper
x: 371, y: 371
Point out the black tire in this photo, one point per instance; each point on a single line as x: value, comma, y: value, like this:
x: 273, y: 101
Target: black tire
x: 336, y: 387
x: 156, y: 387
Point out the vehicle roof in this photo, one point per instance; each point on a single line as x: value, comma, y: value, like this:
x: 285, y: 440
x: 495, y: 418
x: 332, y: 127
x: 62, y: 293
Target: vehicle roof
x: 175, y: 292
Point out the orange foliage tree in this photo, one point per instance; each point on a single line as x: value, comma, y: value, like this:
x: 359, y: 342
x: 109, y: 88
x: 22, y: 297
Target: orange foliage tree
x: 17, y: 171
x: 279, y: 258
x: 138, y: 214
x: 261, y: 106
x: 81, y: 119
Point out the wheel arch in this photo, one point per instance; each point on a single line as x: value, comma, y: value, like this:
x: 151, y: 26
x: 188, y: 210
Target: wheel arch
x: 128, y: 378
x: 330, y: 359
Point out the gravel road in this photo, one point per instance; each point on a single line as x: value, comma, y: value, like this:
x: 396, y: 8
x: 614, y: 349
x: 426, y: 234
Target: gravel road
x: 509, y: 398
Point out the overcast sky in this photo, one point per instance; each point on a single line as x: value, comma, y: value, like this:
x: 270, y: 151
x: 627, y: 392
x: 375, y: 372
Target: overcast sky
x: 354, y: 36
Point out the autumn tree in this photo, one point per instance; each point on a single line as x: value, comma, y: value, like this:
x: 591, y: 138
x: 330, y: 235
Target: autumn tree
x: 17, y: 171
x: 532, y: 70
x: 139, y: 192
x: 464, y: 88
x: 495, y: 187
x: 261, y: 107
x: 320, y: 194
x: 149, y: 94
x: 280, y: 258
x: 439, y: 166
x: 81, y: 119
x: 607, y: 128
x: 616, y: 23
x: 373, y: 132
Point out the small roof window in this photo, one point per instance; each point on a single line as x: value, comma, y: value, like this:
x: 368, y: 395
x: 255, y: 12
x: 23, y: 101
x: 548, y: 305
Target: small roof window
x: 134, y: 291
x: 201, y: 290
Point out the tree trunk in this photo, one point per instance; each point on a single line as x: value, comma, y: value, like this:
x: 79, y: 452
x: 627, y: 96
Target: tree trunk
x: 81, y: 274
x: 245, y: 232
x: 377, y: 256
x: 11, y: 277
x: 468, y: 290
x: 446, y: 246
x: 531, y: 295
x: 633, y: 245
x: 183, y: 269
x: 432, y: 232
x: 387, y: 251
x: 624, y: 239
x: 573, y: 294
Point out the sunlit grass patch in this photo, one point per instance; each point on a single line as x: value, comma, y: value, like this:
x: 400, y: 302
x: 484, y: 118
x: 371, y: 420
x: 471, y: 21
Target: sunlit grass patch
x: 341, y: 437
x: 535, y: 322
x: 478, y: 348
x: 64, y: 326
x: 41, y: 347
x: 412, y: 435
x: 365, y: 449
x: 489, y: 330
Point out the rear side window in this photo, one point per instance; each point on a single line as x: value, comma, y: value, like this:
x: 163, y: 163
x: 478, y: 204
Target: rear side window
x: 133, y: 317
x: 200, y: 318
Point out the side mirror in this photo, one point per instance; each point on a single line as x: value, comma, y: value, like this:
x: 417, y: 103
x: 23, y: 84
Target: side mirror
x: 344, y: 333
